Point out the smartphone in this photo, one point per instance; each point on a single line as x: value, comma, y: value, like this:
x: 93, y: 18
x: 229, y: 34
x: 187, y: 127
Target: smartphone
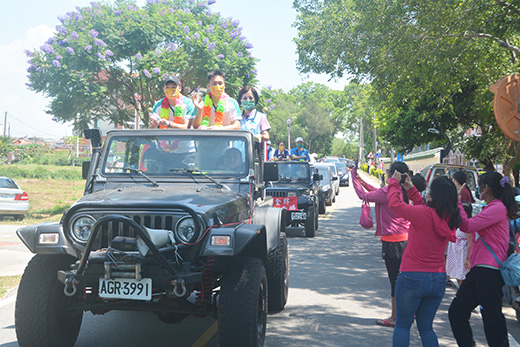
x: 403, y: 178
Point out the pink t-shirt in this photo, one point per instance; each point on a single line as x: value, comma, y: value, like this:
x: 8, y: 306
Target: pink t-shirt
x: 492, y: 224
x: 428, y: 235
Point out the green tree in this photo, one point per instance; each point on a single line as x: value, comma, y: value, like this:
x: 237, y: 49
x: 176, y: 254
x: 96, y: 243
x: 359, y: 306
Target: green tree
x: 107, y: 60
x: 427, y: 60
x: 6, y: 148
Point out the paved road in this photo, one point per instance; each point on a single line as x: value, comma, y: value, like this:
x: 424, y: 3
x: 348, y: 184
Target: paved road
x: 338, y: 288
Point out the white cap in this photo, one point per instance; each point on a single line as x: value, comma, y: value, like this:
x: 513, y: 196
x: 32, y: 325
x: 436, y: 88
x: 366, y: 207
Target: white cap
x: 298, y: 139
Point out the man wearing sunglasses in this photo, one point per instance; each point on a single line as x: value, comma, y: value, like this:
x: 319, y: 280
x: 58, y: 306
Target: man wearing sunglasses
x: 174, y: 110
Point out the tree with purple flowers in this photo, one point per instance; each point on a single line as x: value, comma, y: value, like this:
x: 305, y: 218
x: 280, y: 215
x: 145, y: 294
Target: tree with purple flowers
x: 107, y: 60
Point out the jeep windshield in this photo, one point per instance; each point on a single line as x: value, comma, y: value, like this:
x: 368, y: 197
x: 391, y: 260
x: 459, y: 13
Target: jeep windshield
x: 293, y: 173
x: 221, y: 156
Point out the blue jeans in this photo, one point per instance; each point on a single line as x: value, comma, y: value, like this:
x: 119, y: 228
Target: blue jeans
x: 418, y: 294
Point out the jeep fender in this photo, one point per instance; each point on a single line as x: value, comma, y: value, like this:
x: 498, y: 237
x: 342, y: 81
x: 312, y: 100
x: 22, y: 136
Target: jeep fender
x: 30, y: 236
x: 274, y: 221
x: 244, y: 240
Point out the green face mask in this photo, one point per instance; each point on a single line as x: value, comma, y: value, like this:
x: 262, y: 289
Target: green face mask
x: 248, y: 104
x: 299, y: 145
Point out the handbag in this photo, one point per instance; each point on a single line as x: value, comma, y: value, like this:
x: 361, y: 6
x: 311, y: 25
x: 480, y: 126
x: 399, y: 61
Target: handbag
x: 509, y: 268
x: 366, y: 216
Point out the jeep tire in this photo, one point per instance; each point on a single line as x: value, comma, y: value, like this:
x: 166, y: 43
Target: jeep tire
x: 41, y: 317
x: 242, y: 307
x: 310, y: 224
x: 277, y: 268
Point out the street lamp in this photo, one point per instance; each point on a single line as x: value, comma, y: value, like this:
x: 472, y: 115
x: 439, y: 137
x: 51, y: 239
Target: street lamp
x: 288, y: 122
x: 447, y: 147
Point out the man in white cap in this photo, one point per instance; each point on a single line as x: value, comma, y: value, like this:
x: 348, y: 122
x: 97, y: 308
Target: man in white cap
x: 300, y: 153
x: 174, y: 110
x: 270, y: 150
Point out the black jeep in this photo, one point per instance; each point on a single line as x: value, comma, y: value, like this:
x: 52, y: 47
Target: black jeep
x: 296, y: 190
x: 173, y: 222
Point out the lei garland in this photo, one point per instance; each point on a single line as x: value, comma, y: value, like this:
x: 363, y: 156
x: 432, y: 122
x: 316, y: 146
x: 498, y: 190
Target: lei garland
x: 219, y: 112
x: 177, y: 111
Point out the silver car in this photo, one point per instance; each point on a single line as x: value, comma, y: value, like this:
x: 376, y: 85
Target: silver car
x: 14, y: 201
x: 335, y: 179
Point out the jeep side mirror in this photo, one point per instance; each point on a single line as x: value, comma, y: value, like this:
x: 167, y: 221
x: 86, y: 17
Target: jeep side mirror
x: 84, y: 169
x: 270, y: 171
x: 335, y: 178
x: 94, y: 135
x: 317, y: 177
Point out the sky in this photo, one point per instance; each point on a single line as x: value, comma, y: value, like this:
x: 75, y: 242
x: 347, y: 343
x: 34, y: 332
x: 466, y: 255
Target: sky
x: 267, y: 25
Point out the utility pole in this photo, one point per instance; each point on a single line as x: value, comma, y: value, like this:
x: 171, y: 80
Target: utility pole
x: 361, y: 140
x: 5, y: 124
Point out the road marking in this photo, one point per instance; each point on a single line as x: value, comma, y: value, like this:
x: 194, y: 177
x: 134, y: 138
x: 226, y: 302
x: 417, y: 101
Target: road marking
x: 329, y: 214
x: 7, y: 301
x: 207, y: 336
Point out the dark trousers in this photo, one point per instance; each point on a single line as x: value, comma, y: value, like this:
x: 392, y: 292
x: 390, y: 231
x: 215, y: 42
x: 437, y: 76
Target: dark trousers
x: 482, y: 286
x: 392, y: 253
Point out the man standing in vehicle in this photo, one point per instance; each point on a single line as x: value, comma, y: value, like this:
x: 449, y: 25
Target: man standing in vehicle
x: 174, y: 110
x: 217, y: 110
x: 300, y: 153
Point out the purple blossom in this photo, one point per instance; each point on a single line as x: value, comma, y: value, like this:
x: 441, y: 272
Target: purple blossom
x: 47, y: 48
x: 271, y: 107
x: 179, y: 23
x: 269, y: 87
x: 157, y: 51
x: 131, y: 8
x: 63, y: 19
x: 223, y: 25
x: 164, y: 75
x: 93, y: 33
x: 117, y: 12
x: 56, y: 63
x: 147, y: 74
x: 31, y: 68
x: 275, y: 93
x: 220, y: 56
x: 190, y: 1
x: 138, y: 56
x: 201, y: 4
x: 188, y: 38
x: 186, y: 30
x: 156, y: 70
x: 171, y: 10
x: 235, y: 23
x: 269, y: 101
x: 70, y: 50
x: 101, y: 56
x: 212, y: 46
x: 109, y: 53
x: 196, y: 36
x: 50, y: 41
x: 199, y: 22
x: 187, y: 10
x: 205, y: 40
x: 234, y: 34
x: 172, y: 46
x: 99, y: 42
x: 88, y: 48
x: 239, y: 54
x: 242, y: 38
x: 254, y: 72
x: 211, y: 2
x: 94, y: 4
x: 63, y: 42
x: 74, y: 35
x: 161, y: 13
x: 79, y: 17
x: 61, y: 29
x: 248, y: 45
x: 209, y: 13
x: 39, y: 68
x: 210, y: 29
x: 28, y: 53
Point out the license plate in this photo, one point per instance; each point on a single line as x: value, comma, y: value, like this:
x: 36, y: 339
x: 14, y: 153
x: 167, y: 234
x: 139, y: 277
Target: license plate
x: 126, y: 288
x: 298, y: 215
x: 6, y: 197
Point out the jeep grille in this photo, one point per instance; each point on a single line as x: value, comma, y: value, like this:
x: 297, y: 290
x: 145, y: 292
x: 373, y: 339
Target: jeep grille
x: 276, y: 193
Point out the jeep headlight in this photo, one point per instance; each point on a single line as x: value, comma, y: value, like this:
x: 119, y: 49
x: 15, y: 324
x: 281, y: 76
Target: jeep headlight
x: 185, y: 230
x: 82, y: 228
x: 292, y: 194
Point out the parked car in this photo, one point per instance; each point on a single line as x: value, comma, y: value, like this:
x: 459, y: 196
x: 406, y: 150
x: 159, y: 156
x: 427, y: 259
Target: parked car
x: 165, y: 226
x: 14, y: 202
x: 432, y: 171
x: 296, y: 190
x: 325, y: 171
x: 343, y: 173
x: 335, y: 179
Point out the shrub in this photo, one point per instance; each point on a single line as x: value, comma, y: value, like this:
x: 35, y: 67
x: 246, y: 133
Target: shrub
x: 41, y: 172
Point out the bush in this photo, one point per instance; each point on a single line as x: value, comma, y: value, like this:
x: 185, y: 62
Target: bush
x: 364, y: 167
x: 19, y: 171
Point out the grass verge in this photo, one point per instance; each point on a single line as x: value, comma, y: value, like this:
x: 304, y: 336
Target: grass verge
x: 7, y: 283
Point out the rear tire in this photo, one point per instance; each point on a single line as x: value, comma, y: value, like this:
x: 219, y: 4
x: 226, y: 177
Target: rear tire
x: 322, y: 209
x: 242, y: 307
x: 41, y: 317
x: 277, y: 268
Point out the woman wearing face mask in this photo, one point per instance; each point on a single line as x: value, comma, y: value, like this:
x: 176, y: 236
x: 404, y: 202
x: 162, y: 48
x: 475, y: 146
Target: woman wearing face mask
x: 252, y: 120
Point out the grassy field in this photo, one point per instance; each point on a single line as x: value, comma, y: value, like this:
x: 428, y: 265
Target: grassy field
x: 8, y: 282
x: 48, y: 199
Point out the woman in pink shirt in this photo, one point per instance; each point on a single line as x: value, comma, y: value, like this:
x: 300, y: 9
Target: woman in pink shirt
x: 483, y: 283
x: 422, y: 280
x: 392, y: 229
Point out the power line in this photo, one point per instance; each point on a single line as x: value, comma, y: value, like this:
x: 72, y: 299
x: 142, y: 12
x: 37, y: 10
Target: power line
x: 27, y: 125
